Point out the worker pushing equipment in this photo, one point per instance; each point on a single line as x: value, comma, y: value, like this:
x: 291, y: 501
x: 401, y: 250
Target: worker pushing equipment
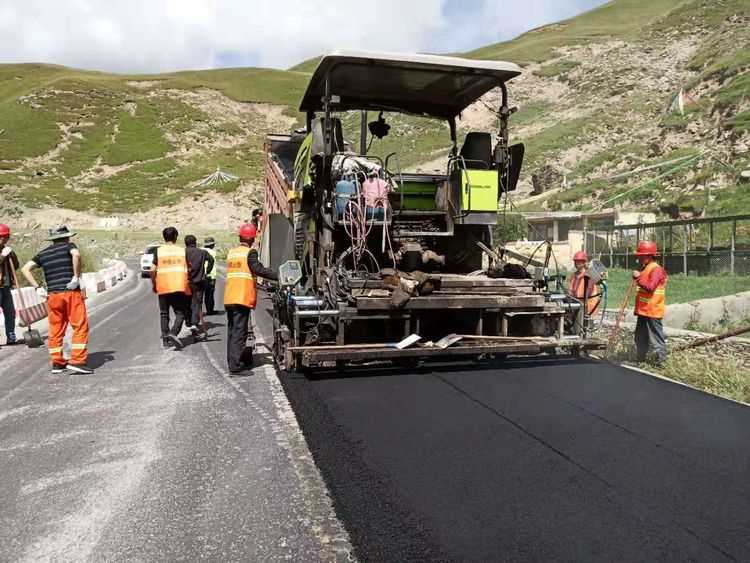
x: 651, y: 281
x: 61, y: 264
x: 170, y: 281
x: 8, y: 267
x: 240, y: 297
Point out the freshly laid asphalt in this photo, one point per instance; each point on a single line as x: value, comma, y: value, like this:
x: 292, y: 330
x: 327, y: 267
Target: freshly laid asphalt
x: 537, y: 461
x: 162, y: 456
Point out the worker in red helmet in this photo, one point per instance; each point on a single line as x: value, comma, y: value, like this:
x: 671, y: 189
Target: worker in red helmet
x: 650, y: 301
x: 580, y: 285
x: 240, y: 296
x: 8, y: 266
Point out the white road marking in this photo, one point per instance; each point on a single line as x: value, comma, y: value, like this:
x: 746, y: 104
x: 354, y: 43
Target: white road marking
x: 325, y: 524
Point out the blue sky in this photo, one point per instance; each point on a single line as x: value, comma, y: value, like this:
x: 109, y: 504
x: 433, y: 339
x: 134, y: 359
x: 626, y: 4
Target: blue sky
x: 475, y: 23
x: 165, y: 35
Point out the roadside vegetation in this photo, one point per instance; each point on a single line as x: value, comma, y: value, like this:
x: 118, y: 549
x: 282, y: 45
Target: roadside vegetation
x: 720, y: 369
x: 680, y: 288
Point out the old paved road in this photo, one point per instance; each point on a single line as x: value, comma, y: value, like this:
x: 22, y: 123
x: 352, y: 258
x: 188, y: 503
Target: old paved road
x: 163, y: 457
x: 159, y: 456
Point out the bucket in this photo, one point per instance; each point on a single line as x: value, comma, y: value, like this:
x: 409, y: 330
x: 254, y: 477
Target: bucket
x: 346, y: 190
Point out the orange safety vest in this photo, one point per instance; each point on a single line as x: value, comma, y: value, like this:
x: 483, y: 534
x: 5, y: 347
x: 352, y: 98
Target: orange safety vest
x: 649, y: 304
x: 578, y: 283
x: 171, y: 270
x: 240, y: 286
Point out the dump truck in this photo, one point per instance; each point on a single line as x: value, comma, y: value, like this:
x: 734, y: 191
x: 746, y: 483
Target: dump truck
x: 381, y: 265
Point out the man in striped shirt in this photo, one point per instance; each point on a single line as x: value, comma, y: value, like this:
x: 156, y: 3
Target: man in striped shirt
x: 61, y: 264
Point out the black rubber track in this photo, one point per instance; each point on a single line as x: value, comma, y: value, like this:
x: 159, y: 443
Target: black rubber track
x: 535, y: 461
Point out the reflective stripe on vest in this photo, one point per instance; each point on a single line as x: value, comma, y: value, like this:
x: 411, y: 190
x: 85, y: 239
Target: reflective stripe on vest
x: 649, y: 304
x: 239, y: 288
x: 211, y: 274
x: 171, y: 270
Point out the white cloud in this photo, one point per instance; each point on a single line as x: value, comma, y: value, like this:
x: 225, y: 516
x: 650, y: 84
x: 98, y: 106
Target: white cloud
x: 162, y: 35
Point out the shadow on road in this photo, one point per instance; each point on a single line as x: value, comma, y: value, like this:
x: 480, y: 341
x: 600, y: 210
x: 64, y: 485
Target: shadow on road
x: 385, y: 370
x: 98, y: 359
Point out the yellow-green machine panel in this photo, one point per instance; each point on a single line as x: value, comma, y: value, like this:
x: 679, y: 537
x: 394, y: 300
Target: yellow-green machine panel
x: 479, y: 189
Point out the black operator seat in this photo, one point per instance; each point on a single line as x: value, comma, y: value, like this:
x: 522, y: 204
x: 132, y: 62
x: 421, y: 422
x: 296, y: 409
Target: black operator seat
x: 477, y: 150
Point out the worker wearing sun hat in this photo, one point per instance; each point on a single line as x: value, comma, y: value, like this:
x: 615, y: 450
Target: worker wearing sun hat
x: 650, y: 303
x: 240, y: 296
x: 61, y: 264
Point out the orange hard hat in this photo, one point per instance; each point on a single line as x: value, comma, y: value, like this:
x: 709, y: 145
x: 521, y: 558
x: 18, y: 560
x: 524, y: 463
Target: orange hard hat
x: 646, y: 248
x: 248, y: 231
x: 4, y: 230
x: 580, y: 256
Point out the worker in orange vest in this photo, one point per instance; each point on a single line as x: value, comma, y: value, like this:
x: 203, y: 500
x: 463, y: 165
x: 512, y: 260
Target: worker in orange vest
x: 240, y: 296
x: 580, y: 285
x: 61, y: 264
x: 651, y: 282
x: 169, y: 277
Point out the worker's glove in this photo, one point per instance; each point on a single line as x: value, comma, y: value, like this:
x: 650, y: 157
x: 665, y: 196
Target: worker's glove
x: 5, y: 252
x: 72, y: 284
x: 636, y: 274
x: 41, y: 292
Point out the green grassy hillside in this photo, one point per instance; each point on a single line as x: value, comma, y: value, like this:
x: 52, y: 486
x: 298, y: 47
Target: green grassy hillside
x: 592, y: 107
x: 615, y: 20
x: 113, y: 143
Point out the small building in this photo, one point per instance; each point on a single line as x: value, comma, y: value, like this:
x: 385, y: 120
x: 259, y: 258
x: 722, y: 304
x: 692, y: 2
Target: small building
x: 571, y: 231
x: 557, y: 225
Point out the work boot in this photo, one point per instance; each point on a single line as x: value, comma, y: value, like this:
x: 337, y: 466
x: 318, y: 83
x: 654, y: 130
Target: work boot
x: 80, y: 368
x: 59, y: 368
x: 12, y: 342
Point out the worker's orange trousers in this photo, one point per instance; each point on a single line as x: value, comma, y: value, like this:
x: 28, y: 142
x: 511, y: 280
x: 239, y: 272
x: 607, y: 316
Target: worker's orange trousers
x: 67, y: 307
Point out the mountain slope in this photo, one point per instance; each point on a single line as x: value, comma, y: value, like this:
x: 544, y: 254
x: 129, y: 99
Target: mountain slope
x: 110, y: 143
x: 593, y: 104
x: 594, y: 110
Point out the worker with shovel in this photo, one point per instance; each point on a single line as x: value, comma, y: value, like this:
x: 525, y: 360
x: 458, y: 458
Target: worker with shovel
x: 61, y: 264
x: 651, y: 283
x: 240, y: 297
x: 8, y: 267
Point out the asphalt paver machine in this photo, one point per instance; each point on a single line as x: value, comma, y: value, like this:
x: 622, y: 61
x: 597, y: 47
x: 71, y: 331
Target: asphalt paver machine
x: 382, y: 265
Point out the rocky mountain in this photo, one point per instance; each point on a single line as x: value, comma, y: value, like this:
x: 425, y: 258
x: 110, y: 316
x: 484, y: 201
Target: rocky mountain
x: 639, y: 103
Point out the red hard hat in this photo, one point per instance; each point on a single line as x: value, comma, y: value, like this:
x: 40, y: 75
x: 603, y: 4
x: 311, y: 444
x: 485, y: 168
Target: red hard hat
x: 580, y: 256
x: 248, y: 231
x: 646, y: 248
x: 4, y: 230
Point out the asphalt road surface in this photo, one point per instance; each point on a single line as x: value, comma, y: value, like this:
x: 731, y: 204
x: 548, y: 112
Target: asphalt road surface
x: 162, y: 456
x: 159, y: 456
